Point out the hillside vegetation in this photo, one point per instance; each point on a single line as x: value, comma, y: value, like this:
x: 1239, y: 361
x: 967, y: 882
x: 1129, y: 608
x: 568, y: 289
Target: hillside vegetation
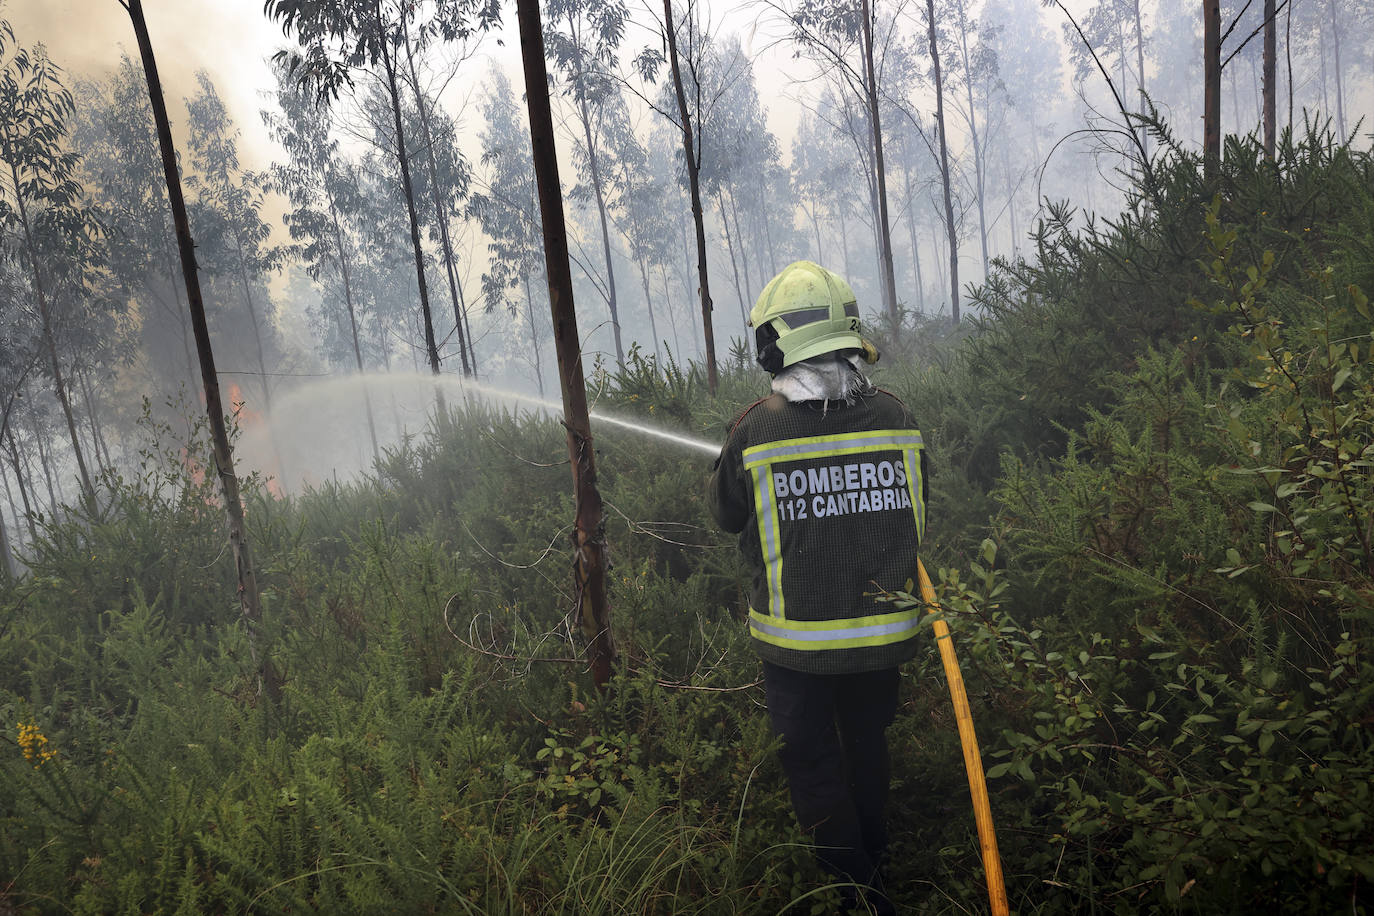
x: 1153, y: 526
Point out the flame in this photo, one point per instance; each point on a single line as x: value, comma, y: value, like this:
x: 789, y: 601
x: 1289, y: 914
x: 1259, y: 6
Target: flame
x: 248, y: 419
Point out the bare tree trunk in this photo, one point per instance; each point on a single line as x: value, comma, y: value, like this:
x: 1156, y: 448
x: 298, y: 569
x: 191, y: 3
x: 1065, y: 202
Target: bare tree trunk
x: 403, y: 158
x: 262, y: 362
x: 649, y: 305
x: 534, y: 337
x: 11, y: 569
x: 1140, y: 72
x: 944, y: 168
x: 1336, y: 51
x: 439, y: 218
x: 1211, y: 82
x: 979, y: 165
x: 734, y: 268
x: 43, y: 463
x: 668, y: 301
x: 49, y: 339
x: 599, y: 193
x: 249, y: 602
x: 743, y: 248
x: 887, y: 272
x: 23, y: 490
x: 589, y: 537
x: 353, y: 325
x: 98, y: 443
x: 694, y: 184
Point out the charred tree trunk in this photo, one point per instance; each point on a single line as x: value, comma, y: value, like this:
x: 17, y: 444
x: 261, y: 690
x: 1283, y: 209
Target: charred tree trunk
x: 589, y: 535
x: 1270, y: 70
x: 249, y: 602
x: 1211, y: 89
x: 950, y: 229
x: 694, y: 184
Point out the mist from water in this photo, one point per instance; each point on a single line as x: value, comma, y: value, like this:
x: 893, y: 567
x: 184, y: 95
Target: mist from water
x: 320, y: 428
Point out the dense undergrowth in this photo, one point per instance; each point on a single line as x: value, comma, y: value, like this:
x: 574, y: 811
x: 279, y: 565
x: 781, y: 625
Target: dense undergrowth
x: 1153, y: 515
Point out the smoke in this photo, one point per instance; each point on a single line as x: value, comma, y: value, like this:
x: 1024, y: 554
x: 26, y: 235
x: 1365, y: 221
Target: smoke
x: 228, y: 40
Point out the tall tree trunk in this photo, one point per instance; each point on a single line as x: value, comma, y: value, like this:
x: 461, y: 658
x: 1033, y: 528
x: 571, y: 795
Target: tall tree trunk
x: 49, y: 338
x: 440, y: 220
x: 979, y: 165
x: 98, y: 443
x: 887, y: 271
x: 694, y: 185
x: 534, y: 337
x: 23, y: 489
x: 249, y: 602
x: 589, y: 536
x: 11, y: 569
x: 668, y: 301
x: 346, y: 274
x: 403, y: 158
x: 1140, y: 72
x: 743, y: 248
x: 43, y: 463
x: 649, y: 305
x: 599, y: 193
x: 950, y: 228
x: 1336, y: 63
x: 844, y: 241
x: 1211, y: 86
x: 248, y: 300
x: 734, y: 268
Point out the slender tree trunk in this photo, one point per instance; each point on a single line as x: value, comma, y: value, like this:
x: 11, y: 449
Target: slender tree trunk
x: 944, y: 168
x: 346, y: 274
x: 98, y: 443
x: 1211, y: 85
x: 1288, y: 55
x: 668, y: 301
x: 250, y: 605
x: 734, y: 268
x: 599, y: 193
x: 534, y: 337
x: 23, y: 489
x: 407, y: 188
x: 49, y: 339
x: 439, y: 218
x: 743, y: 248
x: 844, y: 241
x: 1140, y: 71
x: 979, y: 165
x: 694, y: 185
x: 248, y: 300
x: 1336, y: 62
x: 593, y: 608
x: 649, y: 305
x: 888, y: 272
x: 43, y: 463
x: 11, y: 569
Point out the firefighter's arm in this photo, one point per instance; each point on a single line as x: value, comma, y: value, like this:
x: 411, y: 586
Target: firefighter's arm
x: 728, y: 490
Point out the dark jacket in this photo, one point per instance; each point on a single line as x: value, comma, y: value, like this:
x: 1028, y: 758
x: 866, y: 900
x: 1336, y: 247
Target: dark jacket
x: 829, y: 501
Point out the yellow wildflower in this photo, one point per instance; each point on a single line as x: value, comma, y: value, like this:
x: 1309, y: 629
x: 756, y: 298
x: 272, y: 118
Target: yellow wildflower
x: 35, y: 744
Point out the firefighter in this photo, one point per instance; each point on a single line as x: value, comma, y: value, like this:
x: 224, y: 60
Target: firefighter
x: 825, y: 482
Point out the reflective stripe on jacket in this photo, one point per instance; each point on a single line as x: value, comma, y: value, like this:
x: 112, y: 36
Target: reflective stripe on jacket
x: 829, y: 500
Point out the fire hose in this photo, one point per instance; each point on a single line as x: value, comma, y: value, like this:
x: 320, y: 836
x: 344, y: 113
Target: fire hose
x: 973, y: 761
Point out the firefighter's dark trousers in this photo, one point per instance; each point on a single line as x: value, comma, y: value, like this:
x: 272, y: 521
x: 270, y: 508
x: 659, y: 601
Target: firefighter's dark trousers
x: 835, y: 756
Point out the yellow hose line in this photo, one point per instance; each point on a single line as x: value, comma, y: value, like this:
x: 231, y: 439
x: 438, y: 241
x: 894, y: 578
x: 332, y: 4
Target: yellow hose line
x: 973, y: 762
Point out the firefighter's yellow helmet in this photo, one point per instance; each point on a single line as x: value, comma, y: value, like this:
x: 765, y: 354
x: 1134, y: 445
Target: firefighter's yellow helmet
x: 803, y: 312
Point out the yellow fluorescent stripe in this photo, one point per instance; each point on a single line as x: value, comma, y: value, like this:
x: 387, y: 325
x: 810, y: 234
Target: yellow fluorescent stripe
x: 844, y: 623
x: 832, y: 446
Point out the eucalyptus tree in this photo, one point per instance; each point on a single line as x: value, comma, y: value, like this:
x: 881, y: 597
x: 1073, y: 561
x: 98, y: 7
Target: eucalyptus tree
x: 506, y: 206
x: 233, y: 238
x: 848, y: 42
x: 318, y: 186
x: 942, y: 136
x: 116, y: 137
x: 644, y: 224
x: 446, y: 174
x: 686, y: 44
x: 581, y: 40
x: 46, y: 220
x: 1115, y: 31
x: 339, y: 38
